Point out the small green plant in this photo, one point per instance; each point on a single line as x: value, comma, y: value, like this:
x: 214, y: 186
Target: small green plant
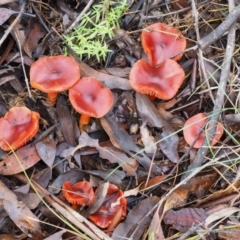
x: 88, y: 39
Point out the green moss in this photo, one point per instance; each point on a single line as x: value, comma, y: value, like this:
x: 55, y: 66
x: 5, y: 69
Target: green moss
x: 88, y: 39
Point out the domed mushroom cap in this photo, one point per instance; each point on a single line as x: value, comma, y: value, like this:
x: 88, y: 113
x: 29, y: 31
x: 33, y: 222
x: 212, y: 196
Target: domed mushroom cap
x: 106, y: 213
x: 54, y: 74
x: 194, y: 125
x: 161, y: 42
x: 162, y: 82
x: 18, y: 126
x: 80, y: 193
x: 89, y: 97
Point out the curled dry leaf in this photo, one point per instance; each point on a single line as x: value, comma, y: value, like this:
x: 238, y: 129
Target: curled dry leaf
x: 184, y: 218
x: 138, y: 219
x: 168, y: 139
x: 18, y: 211
x: 120, y: 139
x: 27, y: 155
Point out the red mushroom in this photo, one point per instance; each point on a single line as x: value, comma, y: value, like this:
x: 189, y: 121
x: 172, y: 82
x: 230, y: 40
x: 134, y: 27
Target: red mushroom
x: 162, y: 82
x: 78, y: 194
x: 54, y: 74
x: 106, y: 213
x: 18, y: 126
x: 91, y: 99
x: 161, y: 42
x: 193, y: 128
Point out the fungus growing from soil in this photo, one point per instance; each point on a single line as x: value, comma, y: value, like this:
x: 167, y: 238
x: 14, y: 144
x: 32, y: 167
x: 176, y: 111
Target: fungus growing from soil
x: 91, y: 99
x: 54, y: 74
x: 18, y: 126
x: 194, y: 128
x: 104, y: 216
x: 162, y: 82
x: 78, y: 194
x: 161, y: 42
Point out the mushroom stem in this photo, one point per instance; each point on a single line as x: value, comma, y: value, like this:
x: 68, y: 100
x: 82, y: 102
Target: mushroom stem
x: 84, y: 120
x: 52, y: 98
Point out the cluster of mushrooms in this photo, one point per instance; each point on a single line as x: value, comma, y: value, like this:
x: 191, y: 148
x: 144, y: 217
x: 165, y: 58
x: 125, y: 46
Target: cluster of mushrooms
x: 161, y: 77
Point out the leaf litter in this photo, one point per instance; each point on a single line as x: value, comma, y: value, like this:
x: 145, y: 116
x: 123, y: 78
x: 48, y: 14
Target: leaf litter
x: 172, y: 190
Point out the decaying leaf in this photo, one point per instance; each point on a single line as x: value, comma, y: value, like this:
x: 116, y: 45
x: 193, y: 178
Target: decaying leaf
x: 27, y: 155
x: 5, y: 14
x: 120, y: 139
x: 36, y: 33
x: 185, y: 218
x: 18, y: 211
x: 47, y: 150
x: 229, y: 233
x: 168, y: 139
x: 137, y: 220
x: 152, y: 182
x: 197, y: 186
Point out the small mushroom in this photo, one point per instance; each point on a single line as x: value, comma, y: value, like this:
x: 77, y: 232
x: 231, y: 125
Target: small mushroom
x: 161, y: 42
x: 18, y: 126
x: 78, y: 194
x: 162, y: 82
x: 194, y: 128
x: 91, y: 99
x: 106, y: 213
x: 54, y: 74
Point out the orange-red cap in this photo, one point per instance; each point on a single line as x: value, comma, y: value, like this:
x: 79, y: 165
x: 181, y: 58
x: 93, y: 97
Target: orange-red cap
x: 161, y: 42
x: 18, y: 126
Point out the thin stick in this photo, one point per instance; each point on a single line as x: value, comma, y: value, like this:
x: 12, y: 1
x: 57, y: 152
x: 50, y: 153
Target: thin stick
x: 7, y: 32
x: 202, y: 152
x: 77, y: 20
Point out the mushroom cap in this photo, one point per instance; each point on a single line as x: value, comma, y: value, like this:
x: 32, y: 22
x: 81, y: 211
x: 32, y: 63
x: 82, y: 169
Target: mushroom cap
x: 162, y: 82
x: 54, y: 74
x: 161, y: 41
x: 105, y: 214
x: 80, y: 193
x: 18, y: 126
x: 89, y: 97
x: 192, y: 127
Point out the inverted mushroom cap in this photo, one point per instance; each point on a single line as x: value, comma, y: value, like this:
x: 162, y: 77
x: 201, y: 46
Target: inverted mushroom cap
x: 105, y: 214
x: 18, y: 126
x: 194, y: 125
x: 89, y: 97
x: 162, y: 82
x: 54, y: 74
x: 161, y: 42
x: 80, y: 193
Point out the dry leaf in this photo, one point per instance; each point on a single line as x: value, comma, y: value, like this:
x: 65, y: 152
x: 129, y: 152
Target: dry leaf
x: 27, y: 155
x: 228, y: 233
x: 18, y: 211
x: 168, y: 139
x: 120, y: 139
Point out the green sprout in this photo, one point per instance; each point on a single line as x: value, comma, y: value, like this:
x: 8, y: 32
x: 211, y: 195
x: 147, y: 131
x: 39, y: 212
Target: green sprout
x: 89, y: 38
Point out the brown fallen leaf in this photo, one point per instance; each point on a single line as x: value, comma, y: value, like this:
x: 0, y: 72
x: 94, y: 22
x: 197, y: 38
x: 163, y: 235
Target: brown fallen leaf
x: 36, y: 33
x: 47, y: 150
x: 66, y: 121
x: 27, y: 155
x: 168, y: 141
x: 152, y: 182
x: 137, y: 221
x: 228, y: 233
x: 18, y: 211
x: 197, y: 186
x: 120, y: 139
x: 184, y: 218
x: 113, y: 154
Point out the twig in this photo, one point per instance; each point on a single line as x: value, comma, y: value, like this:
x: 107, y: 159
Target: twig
x: 13, y: 23
x: 77, y: 20
x: 220, y: 30
x: 202, y: 152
